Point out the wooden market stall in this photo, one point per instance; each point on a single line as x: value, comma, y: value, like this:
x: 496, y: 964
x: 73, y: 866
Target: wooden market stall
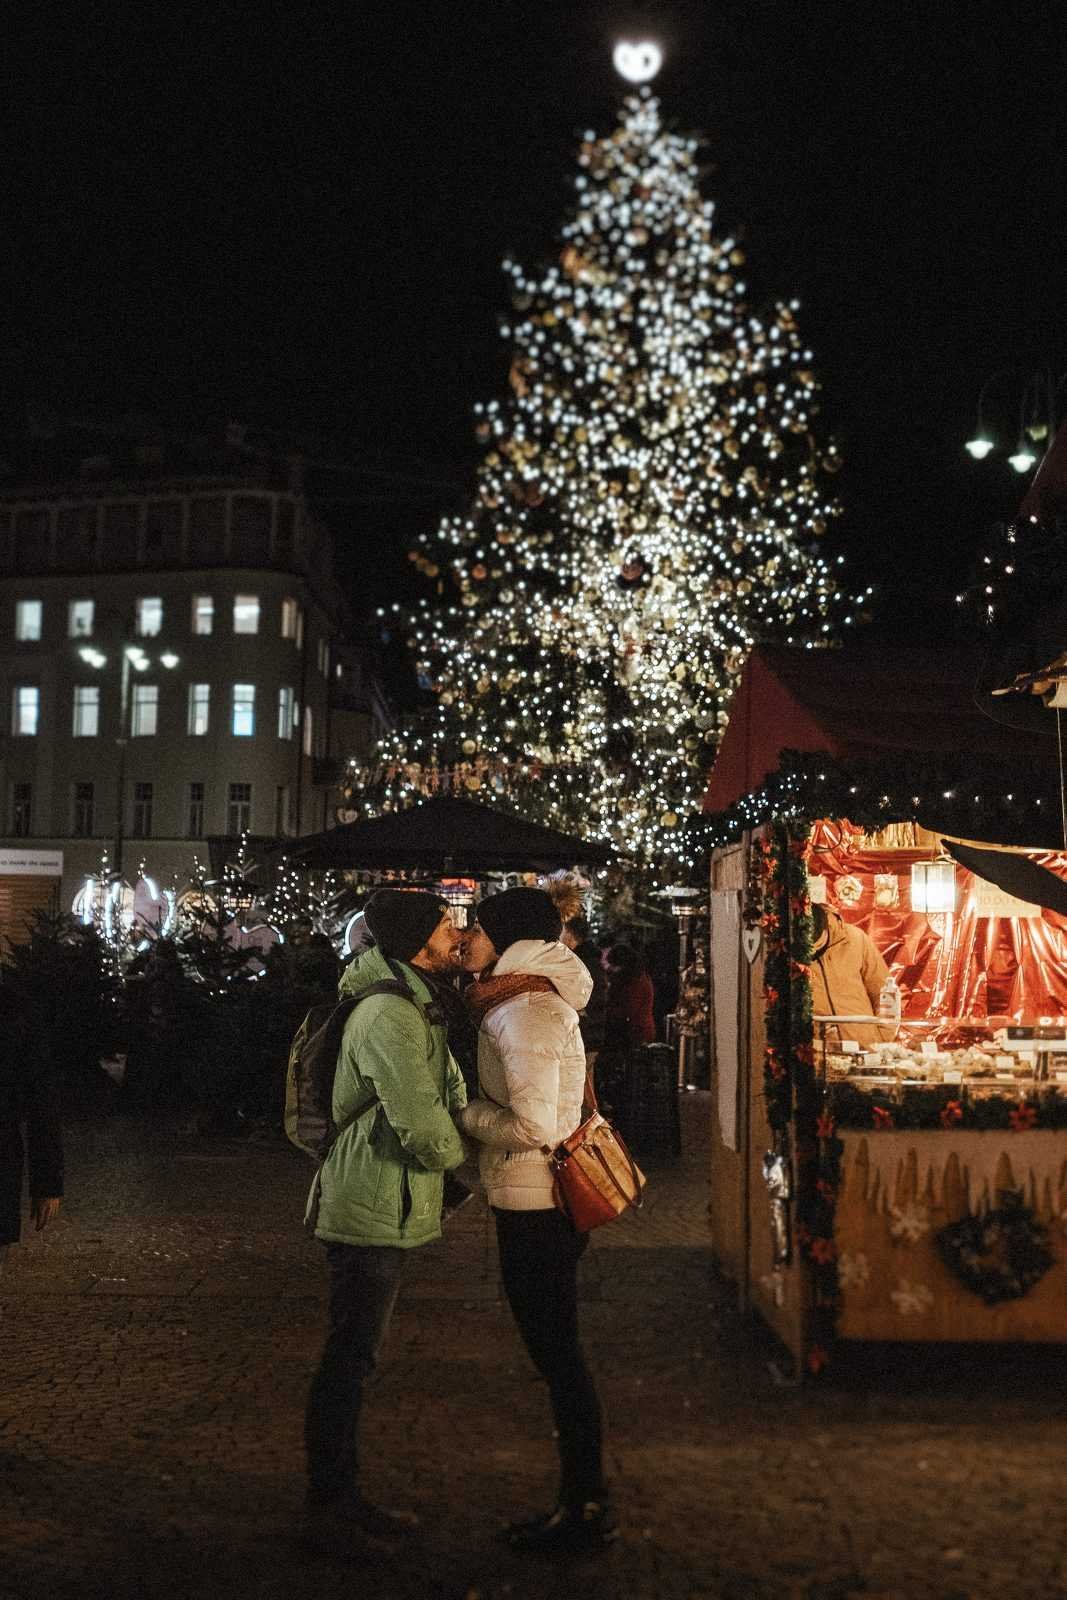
x: 871, y: 1181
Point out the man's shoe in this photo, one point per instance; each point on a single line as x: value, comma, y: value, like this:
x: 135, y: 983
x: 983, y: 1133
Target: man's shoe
x: 569, y: 1528
x: 326, y: 1531
x: 342, y: 1529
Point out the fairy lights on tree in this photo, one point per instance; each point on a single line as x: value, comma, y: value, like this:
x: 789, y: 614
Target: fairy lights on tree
x: 647, y: 509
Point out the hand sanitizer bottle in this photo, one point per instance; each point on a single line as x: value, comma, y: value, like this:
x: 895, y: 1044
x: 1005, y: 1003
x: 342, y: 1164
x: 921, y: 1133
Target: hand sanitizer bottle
x: 889, y: 1002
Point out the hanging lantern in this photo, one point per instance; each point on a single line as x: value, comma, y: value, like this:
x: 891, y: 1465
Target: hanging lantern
x: 459, y: 893
x: 933, y: 885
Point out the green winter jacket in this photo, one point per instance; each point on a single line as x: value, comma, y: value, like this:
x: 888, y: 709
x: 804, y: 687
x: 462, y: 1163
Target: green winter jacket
x: 382, y: 1181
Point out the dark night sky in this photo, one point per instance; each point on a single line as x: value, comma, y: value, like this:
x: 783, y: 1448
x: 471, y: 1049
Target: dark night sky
x: 295, y: 214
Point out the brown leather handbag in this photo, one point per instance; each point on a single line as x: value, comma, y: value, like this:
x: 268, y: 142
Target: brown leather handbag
x: 596, y: 1177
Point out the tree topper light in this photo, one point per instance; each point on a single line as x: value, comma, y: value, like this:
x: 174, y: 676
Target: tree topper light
x: 637, y: 61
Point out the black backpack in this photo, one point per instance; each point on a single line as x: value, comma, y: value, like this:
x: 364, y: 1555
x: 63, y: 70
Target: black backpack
x: 312, y: 1068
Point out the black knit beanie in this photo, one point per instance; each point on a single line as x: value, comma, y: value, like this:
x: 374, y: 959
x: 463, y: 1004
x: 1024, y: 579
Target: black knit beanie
x: 401, y: 920
x: 519, y: 914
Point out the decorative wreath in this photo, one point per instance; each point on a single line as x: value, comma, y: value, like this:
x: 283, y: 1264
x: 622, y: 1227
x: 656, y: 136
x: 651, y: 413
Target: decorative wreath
x: 1000, y: 1255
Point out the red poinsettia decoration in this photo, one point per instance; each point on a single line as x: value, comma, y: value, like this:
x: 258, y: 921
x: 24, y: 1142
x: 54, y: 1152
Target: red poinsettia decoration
x: 823, y: 1251
x: 951, y: 1114
x: 1024, y: 1117
x: 824, y: 1125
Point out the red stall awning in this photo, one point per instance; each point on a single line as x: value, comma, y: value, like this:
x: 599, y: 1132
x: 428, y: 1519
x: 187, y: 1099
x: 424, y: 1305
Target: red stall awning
x: 864, y: 702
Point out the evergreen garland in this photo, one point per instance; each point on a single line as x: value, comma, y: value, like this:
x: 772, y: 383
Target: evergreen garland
x: 968, y: 796
x: 793, y: 1092
x: 944, y: 1106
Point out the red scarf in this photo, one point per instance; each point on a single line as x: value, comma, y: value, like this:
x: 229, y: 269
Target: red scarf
x: 488, y: 991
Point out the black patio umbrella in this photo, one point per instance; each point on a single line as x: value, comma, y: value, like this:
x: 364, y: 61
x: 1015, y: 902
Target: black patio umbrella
x: 1017, y: 875
x: 446, y: 835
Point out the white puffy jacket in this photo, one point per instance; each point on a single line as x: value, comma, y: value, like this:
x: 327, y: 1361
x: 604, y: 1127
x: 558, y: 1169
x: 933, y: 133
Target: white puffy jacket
x: 532, y: 1061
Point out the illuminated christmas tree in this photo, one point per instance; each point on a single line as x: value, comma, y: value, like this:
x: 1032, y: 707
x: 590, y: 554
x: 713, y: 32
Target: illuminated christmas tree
x: 647, y: 509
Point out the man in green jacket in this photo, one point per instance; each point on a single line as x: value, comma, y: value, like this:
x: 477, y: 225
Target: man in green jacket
x: 397, y: 1088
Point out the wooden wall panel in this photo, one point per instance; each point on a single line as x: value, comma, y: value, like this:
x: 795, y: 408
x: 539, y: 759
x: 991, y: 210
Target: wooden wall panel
x: 20, y: 896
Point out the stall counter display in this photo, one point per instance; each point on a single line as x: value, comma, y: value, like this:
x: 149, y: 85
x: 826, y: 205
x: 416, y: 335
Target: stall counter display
x: 950, y: 1222
x: 982, y: 1057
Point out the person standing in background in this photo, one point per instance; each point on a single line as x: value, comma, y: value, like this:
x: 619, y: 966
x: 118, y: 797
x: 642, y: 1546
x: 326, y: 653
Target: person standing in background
x: 575, y: 936
x: 629, y: 1019
x: 27, y: 1101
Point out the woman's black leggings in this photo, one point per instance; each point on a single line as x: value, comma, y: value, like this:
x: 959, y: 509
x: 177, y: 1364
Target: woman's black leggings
x: 539, y: 1255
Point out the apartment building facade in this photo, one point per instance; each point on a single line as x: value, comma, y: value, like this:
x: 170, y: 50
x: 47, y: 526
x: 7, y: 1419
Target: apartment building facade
x: 172, y: 659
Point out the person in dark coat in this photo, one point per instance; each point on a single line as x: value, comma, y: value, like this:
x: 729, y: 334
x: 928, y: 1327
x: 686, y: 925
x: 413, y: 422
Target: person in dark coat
x: 575, y: 936
x: 629, y: 1022
x: 629, y: 1019
x: 26, y: 1103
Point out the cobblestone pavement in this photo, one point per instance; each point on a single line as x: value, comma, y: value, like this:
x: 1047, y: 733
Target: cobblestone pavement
x: 158, y: 1340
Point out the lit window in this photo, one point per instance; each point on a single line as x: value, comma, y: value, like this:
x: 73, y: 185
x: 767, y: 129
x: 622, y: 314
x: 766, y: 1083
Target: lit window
x: 203, y: 613
x: 239, y: 810
x: 199, y: 707
x: 307, y: 730
x: 286, y: 700
x: 145, y: 709
x: 324, y: 658
x: 83, y: 809
x: 149, y: 616
x: 246, y: 613
x: 290, y: 618
x: 195, y: 829
x: 25, y: 708
x: 80, y: 619
x: 142, y: 810
x: 244, y: 710
x: 28, y: 615
x: 86, y: 711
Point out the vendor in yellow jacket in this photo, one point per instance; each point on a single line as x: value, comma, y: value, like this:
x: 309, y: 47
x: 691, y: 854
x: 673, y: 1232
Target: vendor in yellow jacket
x: 847, y: 973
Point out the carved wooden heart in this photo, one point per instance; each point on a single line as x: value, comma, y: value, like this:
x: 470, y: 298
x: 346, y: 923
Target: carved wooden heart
x: 751, y: 939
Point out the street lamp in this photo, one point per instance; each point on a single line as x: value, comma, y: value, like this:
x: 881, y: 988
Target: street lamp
x: 1038, y: 398
x: 133, y: 658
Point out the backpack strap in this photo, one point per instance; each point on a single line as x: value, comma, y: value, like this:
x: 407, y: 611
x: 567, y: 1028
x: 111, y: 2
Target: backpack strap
x: 343, y: 1010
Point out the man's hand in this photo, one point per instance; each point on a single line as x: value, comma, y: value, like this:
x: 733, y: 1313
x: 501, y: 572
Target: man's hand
x: 43, y: 1210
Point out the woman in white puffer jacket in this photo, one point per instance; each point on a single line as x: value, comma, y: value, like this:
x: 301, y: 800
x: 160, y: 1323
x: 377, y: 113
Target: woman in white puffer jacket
x: 531, y: 1075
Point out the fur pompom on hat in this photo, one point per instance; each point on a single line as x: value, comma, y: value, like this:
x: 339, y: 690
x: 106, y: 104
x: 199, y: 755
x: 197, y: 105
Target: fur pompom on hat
x: 519, y: 914
x: 401, y: 920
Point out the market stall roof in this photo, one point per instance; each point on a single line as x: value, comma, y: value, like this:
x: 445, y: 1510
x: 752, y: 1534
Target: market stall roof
x: 903, y: 719
x: 447, y: 835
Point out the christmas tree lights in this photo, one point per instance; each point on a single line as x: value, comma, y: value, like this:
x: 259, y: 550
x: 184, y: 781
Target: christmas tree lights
x: 647, y: 509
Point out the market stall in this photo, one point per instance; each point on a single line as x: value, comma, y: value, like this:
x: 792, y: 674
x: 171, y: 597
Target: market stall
x: 893, y: 1167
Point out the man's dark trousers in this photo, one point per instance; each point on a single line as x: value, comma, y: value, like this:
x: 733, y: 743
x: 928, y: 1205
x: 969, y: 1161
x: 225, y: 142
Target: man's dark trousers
x: 364, y: 1283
